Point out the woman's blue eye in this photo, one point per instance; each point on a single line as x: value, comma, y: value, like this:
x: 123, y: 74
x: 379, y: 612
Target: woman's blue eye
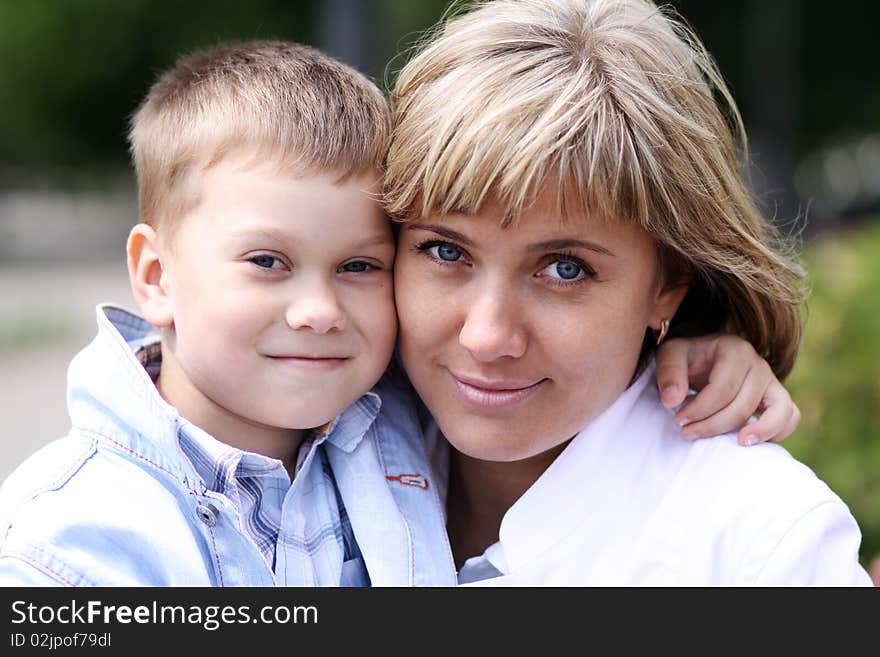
x: 356, y: 266
x: 567, y: 270
x: 446, y: 252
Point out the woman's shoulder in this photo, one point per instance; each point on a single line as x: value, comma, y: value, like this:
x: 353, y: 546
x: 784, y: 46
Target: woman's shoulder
x: 721, y: 467
x: 729, y: 480
x: 724, y: 513
x: 763, y: 501
x: 765, y: 469
x: 787, y: 525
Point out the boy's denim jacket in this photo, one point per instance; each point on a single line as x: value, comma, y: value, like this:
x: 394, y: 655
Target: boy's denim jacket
x: 116, y: 502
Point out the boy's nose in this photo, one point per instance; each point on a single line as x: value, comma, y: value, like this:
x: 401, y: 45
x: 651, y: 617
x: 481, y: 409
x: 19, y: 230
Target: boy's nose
x: 318, y: 311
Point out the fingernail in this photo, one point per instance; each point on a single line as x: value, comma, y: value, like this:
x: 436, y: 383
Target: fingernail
x: 690, y: 434
x: 670, y: 391
x: 682, y: 421
x: 750, y: 440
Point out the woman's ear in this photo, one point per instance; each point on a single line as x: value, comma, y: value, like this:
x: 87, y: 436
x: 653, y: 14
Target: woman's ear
x: 667, y: 301
x: 147, y: 276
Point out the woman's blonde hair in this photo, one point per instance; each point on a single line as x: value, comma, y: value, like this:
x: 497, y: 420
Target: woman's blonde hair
x: 279, y: 102
x: 612, y: 103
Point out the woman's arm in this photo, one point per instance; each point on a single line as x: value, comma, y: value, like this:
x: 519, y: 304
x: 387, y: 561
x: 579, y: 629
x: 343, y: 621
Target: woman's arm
x: 734, y: 384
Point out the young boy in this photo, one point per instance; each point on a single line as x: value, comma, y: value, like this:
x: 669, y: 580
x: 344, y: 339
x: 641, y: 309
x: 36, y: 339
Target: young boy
x: 264, y: 261
x: 262, y: 266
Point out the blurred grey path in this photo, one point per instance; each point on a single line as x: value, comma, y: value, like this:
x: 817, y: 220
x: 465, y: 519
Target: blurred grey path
x: 46, y: 315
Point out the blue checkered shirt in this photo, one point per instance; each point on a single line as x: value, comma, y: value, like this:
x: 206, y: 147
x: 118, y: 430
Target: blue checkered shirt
x: 302, y: 528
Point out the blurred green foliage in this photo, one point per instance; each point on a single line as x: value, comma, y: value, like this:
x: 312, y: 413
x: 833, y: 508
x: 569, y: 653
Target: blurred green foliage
x: 71, y: 73
x: 836, y: 381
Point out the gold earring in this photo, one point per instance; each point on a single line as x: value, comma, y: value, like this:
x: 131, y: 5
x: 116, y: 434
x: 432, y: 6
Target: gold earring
x: 664, y: 328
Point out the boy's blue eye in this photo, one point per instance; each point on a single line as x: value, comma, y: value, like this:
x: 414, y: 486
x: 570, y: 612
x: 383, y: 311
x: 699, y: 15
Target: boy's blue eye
x: 265, y: 261
x: 356, y: 266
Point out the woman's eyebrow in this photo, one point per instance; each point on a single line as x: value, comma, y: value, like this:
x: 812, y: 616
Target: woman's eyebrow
x: 443, y: 232
x: 568, y: 243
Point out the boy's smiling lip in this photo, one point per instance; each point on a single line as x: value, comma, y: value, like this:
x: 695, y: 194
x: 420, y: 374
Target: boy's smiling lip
x: 310, y: 362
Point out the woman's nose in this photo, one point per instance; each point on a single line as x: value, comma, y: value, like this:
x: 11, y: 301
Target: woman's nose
x: 493, y: 328
x: 316, y: 308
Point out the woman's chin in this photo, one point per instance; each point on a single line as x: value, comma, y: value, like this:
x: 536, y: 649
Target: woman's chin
x: 507, y: 451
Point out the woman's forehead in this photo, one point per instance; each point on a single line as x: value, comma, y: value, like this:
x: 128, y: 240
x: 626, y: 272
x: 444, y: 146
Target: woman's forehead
x: 539, y: 224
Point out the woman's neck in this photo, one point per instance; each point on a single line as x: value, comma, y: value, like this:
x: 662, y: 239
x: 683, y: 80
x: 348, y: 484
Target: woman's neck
x: 481, y: 492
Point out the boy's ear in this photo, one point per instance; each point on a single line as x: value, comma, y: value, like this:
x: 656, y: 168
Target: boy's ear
x: 145, y: 273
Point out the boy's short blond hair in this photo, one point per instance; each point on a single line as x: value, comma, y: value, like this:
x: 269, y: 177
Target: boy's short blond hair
x: 617, y: 108
x: 283, y: 103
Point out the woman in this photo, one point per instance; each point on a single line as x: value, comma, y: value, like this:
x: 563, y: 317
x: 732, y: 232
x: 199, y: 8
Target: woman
x: 579, y: 204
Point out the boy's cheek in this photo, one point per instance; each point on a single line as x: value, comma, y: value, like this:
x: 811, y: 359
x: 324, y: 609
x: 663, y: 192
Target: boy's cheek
x: 387, y: 324
x: 382, y: 328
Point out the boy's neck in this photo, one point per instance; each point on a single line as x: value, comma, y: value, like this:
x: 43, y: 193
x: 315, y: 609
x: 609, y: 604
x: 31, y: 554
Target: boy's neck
x: 222, y: 424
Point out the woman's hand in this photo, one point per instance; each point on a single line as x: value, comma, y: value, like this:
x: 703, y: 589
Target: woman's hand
x: 734, y: 383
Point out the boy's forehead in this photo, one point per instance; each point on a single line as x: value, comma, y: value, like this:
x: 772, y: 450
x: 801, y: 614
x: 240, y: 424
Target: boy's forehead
x: 242, y: 199
x: 270, y: 159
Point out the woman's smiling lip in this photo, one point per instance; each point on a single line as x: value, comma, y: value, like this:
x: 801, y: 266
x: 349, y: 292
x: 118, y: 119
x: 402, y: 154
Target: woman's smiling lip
x: 494, y: 394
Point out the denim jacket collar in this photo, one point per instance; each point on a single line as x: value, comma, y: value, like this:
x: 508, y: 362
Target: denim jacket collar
x: 111, y: 396
x: 123, y: 407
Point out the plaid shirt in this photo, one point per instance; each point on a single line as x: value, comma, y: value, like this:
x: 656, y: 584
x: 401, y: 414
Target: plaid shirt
x: 136, y: 496
x: 301, y: 529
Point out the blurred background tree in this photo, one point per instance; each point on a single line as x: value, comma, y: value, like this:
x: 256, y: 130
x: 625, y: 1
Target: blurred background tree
x: 804, y: 74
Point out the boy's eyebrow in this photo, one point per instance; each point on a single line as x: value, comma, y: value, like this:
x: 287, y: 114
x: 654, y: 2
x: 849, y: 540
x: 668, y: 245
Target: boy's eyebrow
x: 443, y: 232
x: 268, y: 234
x: 568, y: 243
x: 272, y: 235
x: 376, y: 240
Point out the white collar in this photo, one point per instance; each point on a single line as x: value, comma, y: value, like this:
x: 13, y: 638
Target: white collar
x: 592, y: 468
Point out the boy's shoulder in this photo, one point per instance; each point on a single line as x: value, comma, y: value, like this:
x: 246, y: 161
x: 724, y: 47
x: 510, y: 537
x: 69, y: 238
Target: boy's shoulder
x: 46, y: 470
x: 87, y: 515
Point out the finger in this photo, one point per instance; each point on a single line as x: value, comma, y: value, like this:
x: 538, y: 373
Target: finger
x: 779, y: 417
x: 712, y: 399
x: 737, y: 372
x: 771, y: 424
x: 731, y: 417
x: 672, y: 372
x: 705, y: 351
x: 790, y: 427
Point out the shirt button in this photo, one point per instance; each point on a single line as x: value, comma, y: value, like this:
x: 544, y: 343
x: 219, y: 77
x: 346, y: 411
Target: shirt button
x: 207, y: 513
